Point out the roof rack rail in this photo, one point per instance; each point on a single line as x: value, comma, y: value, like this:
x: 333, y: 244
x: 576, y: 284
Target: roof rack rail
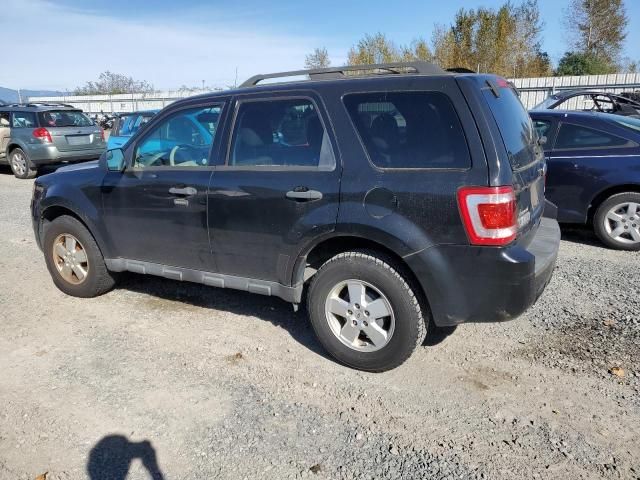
x: 422, y: 68
x: 460, y: 70
x: 49, y: 104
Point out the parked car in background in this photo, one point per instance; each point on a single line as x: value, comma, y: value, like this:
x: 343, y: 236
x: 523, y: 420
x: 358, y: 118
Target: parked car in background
x: 593, y: 101
x: 593, y: 172
x: 125, y: 125
x: 36, y: 134
x: 395, y: 194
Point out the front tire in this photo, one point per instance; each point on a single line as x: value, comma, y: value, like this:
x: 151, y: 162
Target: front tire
x: 364, y: 311
x: 617, y: 221
x: 20, y: 164
x: 74, y: 260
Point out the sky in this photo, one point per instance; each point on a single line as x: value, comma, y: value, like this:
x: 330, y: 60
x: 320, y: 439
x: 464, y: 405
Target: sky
x: 61, y: 44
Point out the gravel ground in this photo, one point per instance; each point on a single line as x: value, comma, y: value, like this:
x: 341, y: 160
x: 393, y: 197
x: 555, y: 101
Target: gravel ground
x: 178, y: 381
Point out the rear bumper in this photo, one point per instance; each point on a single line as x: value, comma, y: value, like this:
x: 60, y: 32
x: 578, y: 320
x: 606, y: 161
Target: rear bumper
x: 43, y: 154
x: 483, y: 284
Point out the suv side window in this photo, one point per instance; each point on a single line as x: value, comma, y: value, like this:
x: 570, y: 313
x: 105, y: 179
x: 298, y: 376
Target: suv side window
x: 24, y: 120
x: 7, y: 117
x: 182, y: 140
x: 409, y: 129
x: 279, y: 132
x: 574, y: 136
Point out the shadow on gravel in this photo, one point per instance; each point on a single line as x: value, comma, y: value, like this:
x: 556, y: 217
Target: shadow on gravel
x: 111, y: 458
x: 44, y: 170
x: 271, y: 309
x: 436, y: 335
x: 581, y: 234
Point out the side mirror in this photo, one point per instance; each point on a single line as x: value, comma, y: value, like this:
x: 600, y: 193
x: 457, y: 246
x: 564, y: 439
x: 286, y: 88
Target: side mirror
x: 4, y: 123
x: 115, y: 160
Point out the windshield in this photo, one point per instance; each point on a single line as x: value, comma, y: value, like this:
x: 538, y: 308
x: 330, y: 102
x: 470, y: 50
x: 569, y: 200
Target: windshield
x: 64, y: 118
x: 628, y: 122
x: 546, y: 103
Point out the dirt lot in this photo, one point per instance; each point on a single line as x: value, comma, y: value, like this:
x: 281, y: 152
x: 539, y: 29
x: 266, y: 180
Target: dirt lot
x: 178, y: 381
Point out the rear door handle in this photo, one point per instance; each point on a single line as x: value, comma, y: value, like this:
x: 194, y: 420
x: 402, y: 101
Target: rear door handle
x: 304, y: 195
x: 183, y: 191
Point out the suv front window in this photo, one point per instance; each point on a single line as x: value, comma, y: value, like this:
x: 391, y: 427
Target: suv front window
x: 64, y: 118
x: 181, y: 140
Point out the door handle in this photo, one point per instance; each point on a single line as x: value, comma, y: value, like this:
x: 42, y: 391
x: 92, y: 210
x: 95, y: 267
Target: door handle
x: 184, y: 191
x: 303, y: 195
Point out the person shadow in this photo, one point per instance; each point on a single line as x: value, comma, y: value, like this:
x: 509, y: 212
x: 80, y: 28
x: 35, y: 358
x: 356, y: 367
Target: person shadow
x: 111, y: 458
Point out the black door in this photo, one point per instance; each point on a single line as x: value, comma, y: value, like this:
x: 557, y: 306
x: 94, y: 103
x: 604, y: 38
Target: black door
x: 157, y: 208
x: 277, y: 189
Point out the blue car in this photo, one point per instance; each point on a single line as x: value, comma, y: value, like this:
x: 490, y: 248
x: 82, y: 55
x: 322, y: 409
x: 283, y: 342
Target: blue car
x: 593, y: 172
x: 125, y: 125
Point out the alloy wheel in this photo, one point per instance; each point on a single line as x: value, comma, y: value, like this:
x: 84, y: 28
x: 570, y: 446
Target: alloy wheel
x: 70, y: 258
x: 360, y: 315
x: 19, y: 163
x: 622, y: 223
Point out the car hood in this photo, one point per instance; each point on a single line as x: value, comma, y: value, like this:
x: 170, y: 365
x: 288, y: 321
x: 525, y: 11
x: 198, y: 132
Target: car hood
x: 79, y: 166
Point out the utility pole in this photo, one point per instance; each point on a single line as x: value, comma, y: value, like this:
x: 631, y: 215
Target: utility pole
x: 19, y: 96
x: 235, y: 82
x: 202, y: 85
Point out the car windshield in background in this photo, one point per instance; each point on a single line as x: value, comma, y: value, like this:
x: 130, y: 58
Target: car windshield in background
x: 130, y: 124
x: 545, y: 104
x: 628, y: 122
x: 64, y: 118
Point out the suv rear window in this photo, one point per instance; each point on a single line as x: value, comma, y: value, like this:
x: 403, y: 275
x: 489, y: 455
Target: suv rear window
x: 64, y: 118
x: 515, y: 125
x: 409, y: 129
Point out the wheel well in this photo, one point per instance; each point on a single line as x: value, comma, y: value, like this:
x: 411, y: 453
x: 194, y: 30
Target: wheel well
x: 336, y: 245
x: 53, y: 212
x: 602, y: 196
x: 11, y: 148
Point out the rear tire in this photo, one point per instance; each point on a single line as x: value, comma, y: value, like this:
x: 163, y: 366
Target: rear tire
x: 20, y: 164
x: 364, y: 311
x: 617, y: 221
x: 74, y: 260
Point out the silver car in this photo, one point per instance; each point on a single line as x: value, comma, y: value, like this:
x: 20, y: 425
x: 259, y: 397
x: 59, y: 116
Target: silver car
x: 36, y: 134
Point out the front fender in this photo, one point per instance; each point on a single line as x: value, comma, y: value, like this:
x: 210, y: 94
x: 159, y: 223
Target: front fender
x: 83, y: 203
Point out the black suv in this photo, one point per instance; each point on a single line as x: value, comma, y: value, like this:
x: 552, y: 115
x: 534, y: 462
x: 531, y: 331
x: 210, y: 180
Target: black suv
x: 393, y: 194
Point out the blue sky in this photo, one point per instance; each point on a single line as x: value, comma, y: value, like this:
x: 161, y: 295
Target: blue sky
x: 182, y: 42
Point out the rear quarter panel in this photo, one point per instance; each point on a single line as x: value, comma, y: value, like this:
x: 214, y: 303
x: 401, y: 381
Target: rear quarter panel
x: 405, y: 209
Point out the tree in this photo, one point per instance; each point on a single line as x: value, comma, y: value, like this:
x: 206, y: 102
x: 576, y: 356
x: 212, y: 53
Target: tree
x: 418, y: 50
x: 598, y: 28
x: 109, y: 83
x: 374, y: 49
x: 580, y: 63
x: 318, y: 59
x: 505, y: 41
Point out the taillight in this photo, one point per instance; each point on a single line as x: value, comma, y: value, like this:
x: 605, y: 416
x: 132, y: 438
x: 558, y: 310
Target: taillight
x: 488, y: 214
x: 42, y: 134
x: 102, y: 134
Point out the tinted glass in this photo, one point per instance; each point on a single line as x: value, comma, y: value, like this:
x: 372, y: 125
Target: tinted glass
x: 409, y: 129
x: 573, y: 136
x: 515, y: 125
x: 23, y: 120
x: 64, y: 118
x: 280, y: 133
x: 181, y: 140
x: 628, y: 122
x: 542, y: 127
